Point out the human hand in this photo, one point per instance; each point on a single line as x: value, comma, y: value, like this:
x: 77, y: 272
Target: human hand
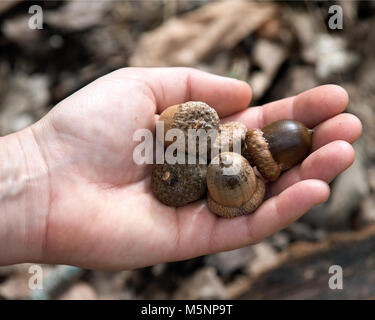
x: 101, y: 211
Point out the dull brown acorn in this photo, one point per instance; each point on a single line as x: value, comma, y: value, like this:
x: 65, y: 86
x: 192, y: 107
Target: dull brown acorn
x: 178, y: 184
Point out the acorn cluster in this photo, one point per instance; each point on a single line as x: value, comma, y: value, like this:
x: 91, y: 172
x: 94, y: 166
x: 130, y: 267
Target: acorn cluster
x: 227, y: 178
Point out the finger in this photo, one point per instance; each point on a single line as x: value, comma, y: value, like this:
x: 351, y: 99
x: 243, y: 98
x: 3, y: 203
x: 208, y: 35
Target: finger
x: 344, y: 126
x: 171, y: 86
x: 274, y: 214
x: 310, y: 107
x: 202, y: 232
x: 323, y: 164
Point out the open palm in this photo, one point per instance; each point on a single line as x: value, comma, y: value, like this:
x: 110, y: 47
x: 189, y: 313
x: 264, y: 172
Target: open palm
x: 102, y: 212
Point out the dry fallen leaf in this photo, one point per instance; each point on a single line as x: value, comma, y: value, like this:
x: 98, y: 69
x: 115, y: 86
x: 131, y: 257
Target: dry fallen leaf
x: 203, y: 284
x: 268, y: 56
x: 17, y: 30
x: 7, y: 4
x: 78, y: 15
x: 24, y: 101
x: 79, y: 291
x: 193, y: 37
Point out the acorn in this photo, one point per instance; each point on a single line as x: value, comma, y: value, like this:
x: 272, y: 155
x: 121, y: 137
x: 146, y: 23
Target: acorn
x: 277, y: 147
x: 190, y: 115
x: 233, y: 188
x: 178, y: 184
x: 231, y: 134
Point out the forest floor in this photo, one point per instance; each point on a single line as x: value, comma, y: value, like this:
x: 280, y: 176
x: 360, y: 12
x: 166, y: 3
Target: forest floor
x: 281, y: 48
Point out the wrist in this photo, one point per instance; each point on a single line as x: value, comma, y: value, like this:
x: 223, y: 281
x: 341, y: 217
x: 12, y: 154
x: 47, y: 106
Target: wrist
x: 24, y: 197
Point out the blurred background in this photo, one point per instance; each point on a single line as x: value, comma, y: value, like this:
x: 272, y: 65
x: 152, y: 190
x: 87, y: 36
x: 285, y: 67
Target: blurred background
x: 281, y: 48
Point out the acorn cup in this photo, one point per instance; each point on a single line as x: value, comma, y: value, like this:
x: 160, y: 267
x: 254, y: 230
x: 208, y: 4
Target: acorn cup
x: 191, y: 115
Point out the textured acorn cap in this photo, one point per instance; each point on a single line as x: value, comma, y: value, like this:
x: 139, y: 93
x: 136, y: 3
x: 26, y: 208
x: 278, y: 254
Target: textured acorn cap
x: 258, y: 154
x: 248, y: 207
x: 190, y: 115
x: 178, y: 184
x: 229, y: 134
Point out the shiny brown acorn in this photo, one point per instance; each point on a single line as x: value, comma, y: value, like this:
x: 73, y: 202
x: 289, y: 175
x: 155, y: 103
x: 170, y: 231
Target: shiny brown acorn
x: 233, y: 188
x: 277, y: 147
